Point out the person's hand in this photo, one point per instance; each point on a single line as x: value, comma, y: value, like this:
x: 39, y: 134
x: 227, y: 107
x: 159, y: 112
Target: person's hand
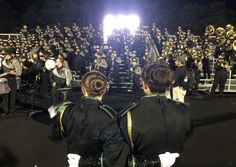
x: 168, y: 159
x: 73, y: 160
x: 54, y: 84
x: 52, y: 111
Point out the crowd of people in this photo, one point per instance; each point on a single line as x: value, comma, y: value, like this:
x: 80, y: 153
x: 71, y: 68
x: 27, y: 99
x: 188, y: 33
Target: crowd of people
x: 149, y: 133
x: 96, y: 134
x: 76, y: 50
x: 212, y: 52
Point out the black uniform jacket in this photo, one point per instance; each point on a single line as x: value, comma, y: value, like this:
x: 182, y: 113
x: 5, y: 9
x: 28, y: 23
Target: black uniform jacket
x: 159, y: 125
x: 180, y: 74
x: 90, y: 128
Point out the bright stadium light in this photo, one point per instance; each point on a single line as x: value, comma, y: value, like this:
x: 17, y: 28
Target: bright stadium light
x: 108, y: 26
x: 133, y: 23
x: 119, y: 22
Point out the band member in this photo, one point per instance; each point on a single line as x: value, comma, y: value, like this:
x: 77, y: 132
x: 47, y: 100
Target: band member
x: 206, y: 67
x: 60, y: 77
x: 127, y: 58
x: 136, y: 72
x: 146, y: 58
x: 90, y: 127
x: 35, y: 68
x: 197, y: 68
x: 80, y: 61
x: 109, y: 61
x: 180, y: 86
x: 116, y: 60
x: 100, y: 63
x: 220, y: 76
x: 11, y: 69
x: 155, y: 125
x: 134, y: 56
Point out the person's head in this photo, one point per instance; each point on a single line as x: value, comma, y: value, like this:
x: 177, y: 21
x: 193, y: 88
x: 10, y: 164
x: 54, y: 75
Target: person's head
x: 134, y: 62
x: 94, y: 84
x: 157, y: 78
x: 35, y: 56
x: 220, y: 58
x: 180, y: 60
x: 97, y: 49
x: 59, y: 62
x: 8, y: 53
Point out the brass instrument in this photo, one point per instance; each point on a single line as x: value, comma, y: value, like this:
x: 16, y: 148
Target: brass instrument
x: 229, y: 27
x: 230, y: 34
x: 220, y: 36
x: 224, y: 64
x: 234, y: 45
x: 220, y: 32
x: 210, y: 29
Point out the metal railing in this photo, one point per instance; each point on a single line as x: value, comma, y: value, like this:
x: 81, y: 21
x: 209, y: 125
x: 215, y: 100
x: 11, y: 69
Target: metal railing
x: 6, y: 36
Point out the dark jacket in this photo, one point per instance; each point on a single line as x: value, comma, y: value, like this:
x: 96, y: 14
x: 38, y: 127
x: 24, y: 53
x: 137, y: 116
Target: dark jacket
x: 180, y: 77
x: 159, y: 125
x: 90, y: 129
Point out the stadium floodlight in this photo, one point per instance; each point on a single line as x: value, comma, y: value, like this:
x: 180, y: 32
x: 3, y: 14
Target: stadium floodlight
x: 108, y: 26
x: 119, y: 22
x: 133, y: 23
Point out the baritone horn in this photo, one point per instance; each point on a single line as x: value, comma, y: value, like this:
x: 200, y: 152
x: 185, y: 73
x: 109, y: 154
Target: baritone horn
x: 220, y: 32
x: 230, y: 34
x: 210, y: 29
x: 229, y: 27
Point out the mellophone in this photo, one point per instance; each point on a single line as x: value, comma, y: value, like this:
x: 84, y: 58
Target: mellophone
x: 4, y: 88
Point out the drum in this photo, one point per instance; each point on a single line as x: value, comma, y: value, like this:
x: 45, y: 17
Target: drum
x: 4, y: 88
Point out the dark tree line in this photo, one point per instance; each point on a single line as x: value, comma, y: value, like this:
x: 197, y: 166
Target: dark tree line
x: 194, y: 16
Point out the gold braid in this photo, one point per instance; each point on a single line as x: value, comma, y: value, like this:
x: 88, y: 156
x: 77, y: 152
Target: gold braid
x: 129, y: 125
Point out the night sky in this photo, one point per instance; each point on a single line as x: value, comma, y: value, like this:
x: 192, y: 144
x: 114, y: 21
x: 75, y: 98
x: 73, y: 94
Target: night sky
x: 21, y: 5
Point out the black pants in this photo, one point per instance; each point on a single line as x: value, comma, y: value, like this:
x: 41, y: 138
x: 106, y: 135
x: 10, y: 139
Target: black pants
x: 136, y: 86
x: 44, y: 82
x: 57, y: 96
x: 115, y: 75
x: 197, y: 79
x: 219, y: 79
x: 206, y: 72
x: 9, y: 100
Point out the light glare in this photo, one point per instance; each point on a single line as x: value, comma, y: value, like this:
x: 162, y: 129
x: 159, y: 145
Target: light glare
x: 119, y: 22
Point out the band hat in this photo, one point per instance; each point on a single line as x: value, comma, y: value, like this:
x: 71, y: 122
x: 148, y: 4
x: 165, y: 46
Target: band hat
x: 220, y: 57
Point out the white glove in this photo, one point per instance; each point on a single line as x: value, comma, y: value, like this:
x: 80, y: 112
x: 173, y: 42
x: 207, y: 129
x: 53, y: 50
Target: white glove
x: 168, y: 159
x: 73, y: 160
x: 52, y: 111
